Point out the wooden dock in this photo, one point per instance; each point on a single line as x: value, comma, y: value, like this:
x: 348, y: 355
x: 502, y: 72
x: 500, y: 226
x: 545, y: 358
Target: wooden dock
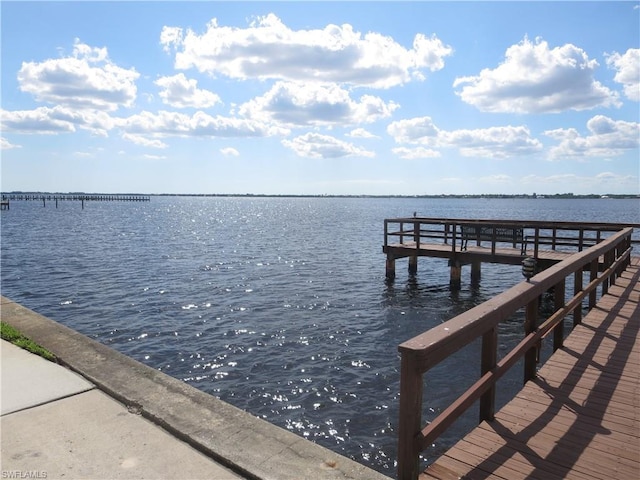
x: 580, y: 417
x: 473, y: 242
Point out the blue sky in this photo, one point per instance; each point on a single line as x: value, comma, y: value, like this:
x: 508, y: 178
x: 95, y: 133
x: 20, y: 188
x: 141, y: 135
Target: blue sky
x: 399, y: 98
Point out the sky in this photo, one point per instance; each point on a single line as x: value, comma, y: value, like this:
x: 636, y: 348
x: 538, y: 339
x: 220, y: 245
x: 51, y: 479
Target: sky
x: 321, y: 98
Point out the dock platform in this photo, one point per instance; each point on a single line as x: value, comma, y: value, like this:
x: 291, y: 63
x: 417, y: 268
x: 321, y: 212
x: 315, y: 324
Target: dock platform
x: 473, y: 242
x: 580, y: 417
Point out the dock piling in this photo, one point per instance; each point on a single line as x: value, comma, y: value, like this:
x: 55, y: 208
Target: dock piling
x: 456, y: 271
x: 413, y: 265
x: 390, y: 269
x: 476, y: 271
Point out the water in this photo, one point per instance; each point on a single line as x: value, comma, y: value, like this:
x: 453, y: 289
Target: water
x: 276, y: 305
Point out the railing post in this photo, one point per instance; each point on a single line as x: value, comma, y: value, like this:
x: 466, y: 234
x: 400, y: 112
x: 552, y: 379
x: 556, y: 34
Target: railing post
x: 530, y: 325
x: 577, y: 287
x: 386, y: 233
x: 606, y: 264
x: 410, y: 421
x: 493, y: 240
x: 454, y: 238
x: 558, y: 331
x: 413, y: 259
x: 580, y: 240
x: 593, y: 274
x: 488, y: 362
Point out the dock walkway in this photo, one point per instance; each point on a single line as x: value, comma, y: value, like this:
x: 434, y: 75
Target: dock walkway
x: 580, y: 418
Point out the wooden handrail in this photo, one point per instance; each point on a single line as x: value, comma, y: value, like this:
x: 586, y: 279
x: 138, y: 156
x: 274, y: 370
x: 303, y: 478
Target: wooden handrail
x: 536, y: 233
x: 426, y: 350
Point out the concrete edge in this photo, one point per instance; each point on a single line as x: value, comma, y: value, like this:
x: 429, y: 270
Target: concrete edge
x: 240, y: 441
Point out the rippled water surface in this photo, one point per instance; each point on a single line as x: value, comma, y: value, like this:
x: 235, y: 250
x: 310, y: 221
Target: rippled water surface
x: 275, y: 305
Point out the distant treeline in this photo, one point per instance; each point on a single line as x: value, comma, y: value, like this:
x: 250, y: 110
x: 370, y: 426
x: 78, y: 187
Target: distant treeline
x: 261, y: 195
x: 484, y: 195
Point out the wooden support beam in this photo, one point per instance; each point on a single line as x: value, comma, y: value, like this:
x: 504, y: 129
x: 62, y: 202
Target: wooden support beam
x: 456, y: 271
x: 476, y: 271
x: 413, y: 264
x: 390, y: 269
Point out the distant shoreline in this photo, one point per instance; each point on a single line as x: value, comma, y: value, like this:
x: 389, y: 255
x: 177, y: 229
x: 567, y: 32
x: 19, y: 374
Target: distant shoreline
x: 266, y: 195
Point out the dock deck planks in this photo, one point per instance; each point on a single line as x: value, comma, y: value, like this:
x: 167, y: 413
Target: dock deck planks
x: 580, y: 418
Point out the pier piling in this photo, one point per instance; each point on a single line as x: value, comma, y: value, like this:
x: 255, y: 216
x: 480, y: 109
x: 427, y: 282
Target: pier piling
x: 456, y: 271
x: 390, y: 269
x: 413, y: 265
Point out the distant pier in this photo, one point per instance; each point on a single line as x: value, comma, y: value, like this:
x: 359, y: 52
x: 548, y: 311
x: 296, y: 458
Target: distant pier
x: 65, y: 197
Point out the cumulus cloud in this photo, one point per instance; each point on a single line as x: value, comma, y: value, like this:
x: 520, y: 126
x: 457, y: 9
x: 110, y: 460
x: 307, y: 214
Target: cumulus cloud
x: 492, y: 142
x: 627, y: 67
x: 314, y: 145
x: 268, y: 49
x: 55, y: 120
x: 537, y: 79
x: 229, y: 152
x: 415, y: 153
x: 360, y: 133
x: 606, y: 138
x: 180, y: 92
x: 7, y: 145
x: 200, y: 124
x: 299, y: 104
x: 144, y: 141
x: 86, y: 79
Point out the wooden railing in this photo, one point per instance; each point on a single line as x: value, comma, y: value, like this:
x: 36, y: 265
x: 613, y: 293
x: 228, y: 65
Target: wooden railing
x: 568, y: 236
x: 423, y: 352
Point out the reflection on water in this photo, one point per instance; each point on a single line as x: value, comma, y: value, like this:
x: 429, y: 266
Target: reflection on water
x: 278, y: 306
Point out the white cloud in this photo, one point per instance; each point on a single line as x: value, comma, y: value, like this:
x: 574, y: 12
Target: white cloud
x: 87, y: 79
x: 627, y: 68
x: 229, y: 152
x: 293, y: 103
x: 361, y: 133
x: 7, y: 145
x: 492, y: 142
x: 55, y: 120
x: 414, y: 153
x: 414, y: 130
x: 34, y: 121
x: 314, y: 145
x: 268, y: 49
x: 154, y: 157
x: 536, y: 79
x: 180, y: 92
x: 606, y: 138
x: 144, y: 141
x: 200, y: 124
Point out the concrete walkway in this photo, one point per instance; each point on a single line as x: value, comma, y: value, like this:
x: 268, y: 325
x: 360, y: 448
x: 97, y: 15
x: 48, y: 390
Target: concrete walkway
x: 57, y: 425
